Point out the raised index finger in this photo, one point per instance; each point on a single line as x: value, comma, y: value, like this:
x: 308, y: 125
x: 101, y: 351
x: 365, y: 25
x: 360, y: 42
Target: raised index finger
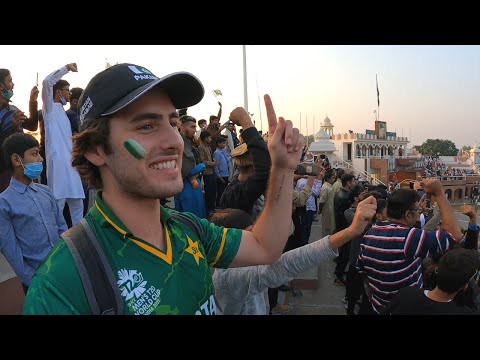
x: 272, y: 117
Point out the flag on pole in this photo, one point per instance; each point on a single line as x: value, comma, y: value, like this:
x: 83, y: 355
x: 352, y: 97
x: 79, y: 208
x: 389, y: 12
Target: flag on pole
x: 217, y: 93
x: 378, y: 92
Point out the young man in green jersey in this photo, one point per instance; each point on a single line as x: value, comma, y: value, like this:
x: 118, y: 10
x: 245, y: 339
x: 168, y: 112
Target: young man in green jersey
x: 160, y: 265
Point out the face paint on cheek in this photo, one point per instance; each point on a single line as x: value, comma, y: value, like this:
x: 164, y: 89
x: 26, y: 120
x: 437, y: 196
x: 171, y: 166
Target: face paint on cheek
x: 135, y: 149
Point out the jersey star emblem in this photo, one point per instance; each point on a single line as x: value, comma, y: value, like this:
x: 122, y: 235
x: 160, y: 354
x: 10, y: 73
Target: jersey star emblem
x: 194, y: 250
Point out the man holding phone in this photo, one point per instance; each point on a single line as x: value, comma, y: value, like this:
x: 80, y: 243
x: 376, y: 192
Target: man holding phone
x: 214, y: 127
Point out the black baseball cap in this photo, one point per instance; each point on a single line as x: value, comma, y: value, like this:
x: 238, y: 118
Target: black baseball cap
x: 118, y: 86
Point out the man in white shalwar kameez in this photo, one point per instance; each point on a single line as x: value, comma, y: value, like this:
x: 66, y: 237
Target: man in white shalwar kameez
x: 62, y: 179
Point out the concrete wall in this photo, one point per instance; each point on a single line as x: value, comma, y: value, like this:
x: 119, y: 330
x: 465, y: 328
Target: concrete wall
x: 380, y: 167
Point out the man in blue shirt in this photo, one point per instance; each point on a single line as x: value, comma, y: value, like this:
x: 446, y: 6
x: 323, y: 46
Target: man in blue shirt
x: 30, y: 220
x: 222, y: 170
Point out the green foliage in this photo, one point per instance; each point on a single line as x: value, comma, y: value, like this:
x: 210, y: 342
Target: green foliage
x: 466, y: 148
x: 440, y: 147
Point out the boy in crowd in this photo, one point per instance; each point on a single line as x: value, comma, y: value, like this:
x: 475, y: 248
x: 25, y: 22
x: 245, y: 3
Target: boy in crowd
x: 30, y: 219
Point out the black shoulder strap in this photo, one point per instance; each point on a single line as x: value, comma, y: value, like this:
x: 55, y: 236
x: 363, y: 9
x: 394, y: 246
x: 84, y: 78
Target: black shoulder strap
x: 192, y: 225
x: 95, y: 271
x: 189, y: 223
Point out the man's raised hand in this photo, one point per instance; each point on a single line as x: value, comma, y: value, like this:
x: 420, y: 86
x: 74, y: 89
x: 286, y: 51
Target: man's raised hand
x: 364, y: 214
x: 285, y: 143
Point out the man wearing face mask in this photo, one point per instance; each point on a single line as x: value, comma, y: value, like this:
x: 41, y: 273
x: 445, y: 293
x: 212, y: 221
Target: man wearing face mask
x: 62, y: 179
x: 13, y: 120
x: 30, y: 219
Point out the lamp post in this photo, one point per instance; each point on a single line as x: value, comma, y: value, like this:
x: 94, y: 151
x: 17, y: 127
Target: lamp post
x: 245, y: 92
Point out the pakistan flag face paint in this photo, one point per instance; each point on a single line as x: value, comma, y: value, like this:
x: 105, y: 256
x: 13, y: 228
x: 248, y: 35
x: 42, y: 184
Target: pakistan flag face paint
x: 135, y: 149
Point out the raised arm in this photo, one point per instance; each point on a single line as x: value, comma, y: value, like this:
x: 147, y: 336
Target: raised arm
x: 219, y: 115
x: 218, y: 132
x: 298, y: 260
x: 449, y: 220
x: 471, y: 237
x: 253, y: 187
x: 32, y: 122
x: 264, y: 244
x: 50, y: 80
x: 300, y: 197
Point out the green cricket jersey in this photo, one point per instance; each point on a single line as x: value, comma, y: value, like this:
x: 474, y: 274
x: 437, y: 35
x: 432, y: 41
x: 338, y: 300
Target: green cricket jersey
x: 177, y: 281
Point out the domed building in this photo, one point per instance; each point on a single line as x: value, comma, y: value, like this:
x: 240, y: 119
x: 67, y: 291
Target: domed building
x: 322, y: 144
x: 374, y: 154
x: 327, y: 126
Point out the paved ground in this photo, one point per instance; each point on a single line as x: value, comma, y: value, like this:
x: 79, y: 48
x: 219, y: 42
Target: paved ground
x: 326, y: 299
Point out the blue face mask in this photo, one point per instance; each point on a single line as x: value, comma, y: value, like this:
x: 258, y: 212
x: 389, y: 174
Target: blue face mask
x: 63, y: 101
x: 33, y: 170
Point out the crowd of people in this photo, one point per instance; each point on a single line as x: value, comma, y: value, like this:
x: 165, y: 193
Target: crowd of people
x: 434, y: 166
x: 240, y: 227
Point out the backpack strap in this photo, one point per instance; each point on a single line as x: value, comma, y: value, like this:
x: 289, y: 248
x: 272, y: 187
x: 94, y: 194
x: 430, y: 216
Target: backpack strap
x: 189, y: 223
x: 95, y: 271
x: 192, y: 225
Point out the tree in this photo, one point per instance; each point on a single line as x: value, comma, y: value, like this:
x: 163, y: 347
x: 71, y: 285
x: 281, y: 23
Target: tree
x: 466, y: 148
x: 309, y: 139
x: 441, y: 147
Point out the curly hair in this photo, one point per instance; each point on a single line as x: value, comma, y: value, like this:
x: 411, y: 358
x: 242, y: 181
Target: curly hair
x: 93, y: 132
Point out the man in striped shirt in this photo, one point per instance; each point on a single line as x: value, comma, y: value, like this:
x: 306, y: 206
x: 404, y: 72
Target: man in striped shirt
x: 392, y: 251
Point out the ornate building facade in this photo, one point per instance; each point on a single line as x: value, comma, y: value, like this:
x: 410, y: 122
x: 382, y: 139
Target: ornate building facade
x: 376, y: 153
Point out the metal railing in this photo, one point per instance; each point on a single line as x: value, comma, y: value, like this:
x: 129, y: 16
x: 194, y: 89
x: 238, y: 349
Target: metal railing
x: 369, y: 177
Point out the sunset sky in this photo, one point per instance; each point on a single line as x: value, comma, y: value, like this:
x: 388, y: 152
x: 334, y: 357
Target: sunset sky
x: 425, y: 91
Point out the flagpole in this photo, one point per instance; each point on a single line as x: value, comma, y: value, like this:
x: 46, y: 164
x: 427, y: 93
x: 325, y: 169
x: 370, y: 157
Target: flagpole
x: 300, y: 119
x: 306, y: 126
x: 259, y: 107
x: 313, y: 127
x: 245, y: 95
x: 378, y: 99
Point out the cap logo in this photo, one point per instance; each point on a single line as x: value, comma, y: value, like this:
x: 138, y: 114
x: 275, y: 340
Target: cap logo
x: 142, y: 73
x: 138, y: 71
x: 85, y: 109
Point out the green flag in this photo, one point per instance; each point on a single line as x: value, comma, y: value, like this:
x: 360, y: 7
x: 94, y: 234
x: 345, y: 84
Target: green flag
x: 217, y: 92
